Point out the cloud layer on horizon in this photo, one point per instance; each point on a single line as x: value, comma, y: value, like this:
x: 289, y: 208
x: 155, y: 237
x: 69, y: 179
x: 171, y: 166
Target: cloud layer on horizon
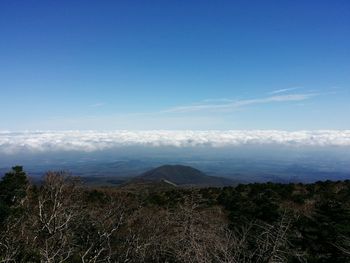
x: 89, y: 141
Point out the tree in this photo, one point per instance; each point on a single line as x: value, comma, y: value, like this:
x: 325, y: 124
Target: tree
x: 54, y: 215
x: 13, y: 191
x: 13, y: 187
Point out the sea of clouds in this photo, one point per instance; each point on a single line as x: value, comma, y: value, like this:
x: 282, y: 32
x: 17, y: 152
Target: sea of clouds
x: 89, y: 141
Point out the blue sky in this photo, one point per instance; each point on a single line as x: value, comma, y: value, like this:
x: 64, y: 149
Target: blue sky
x: 205, y: 65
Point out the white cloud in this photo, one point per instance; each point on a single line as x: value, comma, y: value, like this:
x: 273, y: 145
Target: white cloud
x: 284, y: 90
x: 97, y: 105
x: 89, y: 141
x: 239, y: 103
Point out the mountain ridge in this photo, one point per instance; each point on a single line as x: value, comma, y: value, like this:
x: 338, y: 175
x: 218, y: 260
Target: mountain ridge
x: 181, y: 175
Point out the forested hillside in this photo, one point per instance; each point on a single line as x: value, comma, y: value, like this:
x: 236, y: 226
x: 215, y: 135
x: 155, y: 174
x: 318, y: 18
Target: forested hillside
x: 62, y: 220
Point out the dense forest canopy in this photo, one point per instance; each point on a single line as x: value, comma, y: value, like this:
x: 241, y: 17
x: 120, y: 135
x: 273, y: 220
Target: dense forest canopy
x: 61, y: 220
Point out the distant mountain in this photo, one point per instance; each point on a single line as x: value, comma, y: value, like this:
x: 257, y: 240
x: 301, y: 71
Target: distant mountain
x: 182, y: 176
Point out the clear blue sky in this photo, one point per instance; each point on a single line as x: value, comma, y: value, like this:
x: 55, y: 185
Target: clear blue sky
x: 182, y: 64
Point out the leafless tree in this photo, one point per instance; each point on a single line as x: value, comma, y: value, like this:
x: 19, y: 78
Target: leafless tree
x: 233, y: 245
x: 57, y: 208
x: 146, y: 235
x: 13, y: 232
x: 258, y: 242
x: 272, y: 242
x: 98, y: 227
x: 344, y: 245
x: 194, y: 231
x: 9, y: 243
x: 60, y: 223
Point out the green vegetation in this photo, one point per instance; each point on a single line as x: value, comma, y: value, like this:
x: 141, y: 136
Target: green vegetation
x: 63, y: 221
x: 13, y: 188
